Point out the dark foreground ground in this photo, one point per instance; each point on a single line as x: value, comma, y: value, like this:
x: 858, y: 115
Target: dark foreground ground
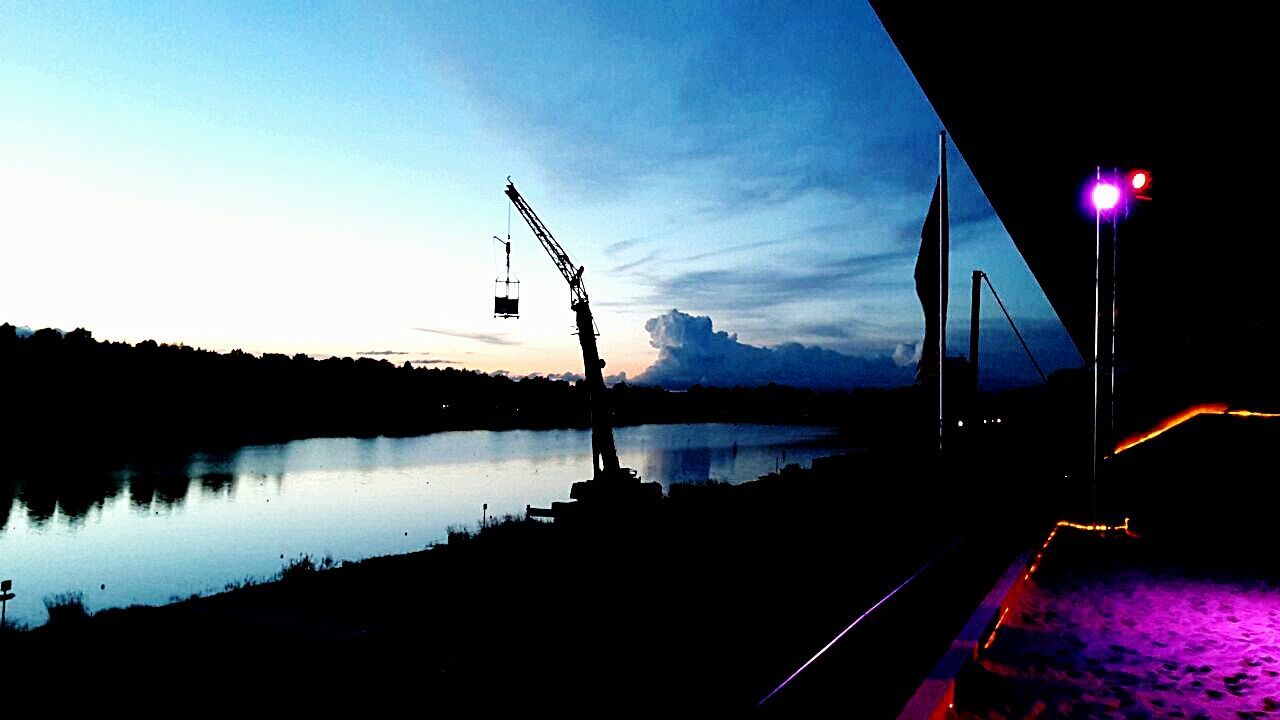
x: 1180, y: 621
x: 709, y: 601
x: 1114, y: 627
x: 703, y: 605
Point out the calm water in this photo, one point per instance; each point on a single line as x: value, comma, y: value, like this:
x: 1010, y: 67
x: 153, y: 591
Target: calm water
x: 158, y: 533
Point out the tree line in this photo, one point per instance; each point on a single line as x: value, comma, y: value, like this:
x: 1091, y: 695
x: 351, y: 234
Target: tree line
x: 68, y: 390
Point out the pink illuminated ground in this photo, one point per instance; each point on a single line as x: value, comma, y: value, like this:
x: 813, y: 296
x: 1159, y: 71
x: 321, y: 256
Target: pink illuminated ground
x: 1120, y: 641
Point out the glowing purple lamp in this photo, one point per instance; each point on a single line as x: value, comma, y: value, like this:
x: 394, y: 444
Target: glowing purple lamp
x: 1105, y: 196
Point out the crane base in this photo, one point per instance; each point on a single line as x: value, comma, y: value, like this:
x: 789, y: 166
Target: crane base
x: 625, y: 490
x: 605, y: 497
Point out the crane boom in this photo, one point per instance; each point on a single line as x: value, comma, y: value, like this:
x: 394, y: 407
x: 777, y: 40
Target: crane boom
x: 572, y: 275
x: 603, y: 451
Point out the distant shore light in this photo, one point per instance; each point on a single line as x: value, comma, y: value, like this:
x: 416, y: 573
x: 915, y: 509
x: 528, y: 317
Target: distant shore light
x: 1105, y: 196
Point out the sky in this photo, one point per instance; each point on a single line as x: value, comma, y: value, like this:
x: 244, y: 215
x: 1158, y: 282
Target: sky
x: 326, y: 178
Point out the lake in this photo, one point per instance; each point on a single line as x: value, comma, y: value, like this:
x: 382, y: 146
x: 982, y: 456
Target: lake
x: 167, y: 530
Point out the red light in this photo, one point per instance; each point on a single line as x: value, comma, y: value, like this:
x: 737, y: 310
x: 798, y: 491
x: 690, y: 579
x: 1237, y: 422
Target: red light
x: 1140, y: 183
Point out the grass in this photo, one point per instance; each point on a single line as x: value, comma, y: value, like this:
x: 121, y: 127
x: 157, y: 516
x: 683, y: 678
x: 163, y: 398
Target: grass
x: 499, y: 526
x: 248, y: 581
x: 66, y: 608
x: 304, y: 565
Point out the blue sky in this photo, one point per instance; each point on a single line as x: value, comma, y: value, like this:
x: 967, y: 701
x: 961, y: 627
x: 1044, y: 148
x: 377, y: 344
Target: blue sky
x: 324, y: 178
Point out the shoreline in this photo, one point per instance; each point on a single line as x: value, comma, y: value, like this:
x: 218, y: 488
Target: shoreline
x: 738, y: 575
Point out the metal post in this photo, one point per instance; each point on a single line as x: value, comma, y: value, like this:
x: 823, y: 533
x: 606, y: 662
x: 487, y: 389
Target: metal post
x: 975, y: 304
x: 1097, y: 333
x: 1111, y: 355
x: 943, y: 232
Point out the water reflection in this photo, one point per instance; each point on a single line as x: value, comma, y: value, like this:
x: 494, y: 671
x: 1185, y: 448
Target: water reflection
x: 682, y: 465
x: 666, y: 454
x: 217, y: 484
x: 43, y: 495
x: 149, y: 530
x: 76, y: 493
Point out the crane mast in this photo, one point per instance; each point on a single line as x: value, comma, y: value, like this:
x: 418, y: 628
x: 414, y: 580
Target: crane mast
x: 603, y: 451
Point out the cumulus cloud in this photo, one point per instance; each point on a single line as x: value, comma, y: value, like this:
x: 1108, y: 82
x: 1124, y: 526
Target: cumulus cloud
x: 692, y: 352
x: 907, y: 355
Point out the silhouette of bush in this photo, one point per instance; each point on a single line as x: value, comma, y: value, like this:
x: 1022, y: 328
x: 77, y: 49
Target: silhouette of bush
x: 66, y: 608
x: 302, y: 566
x: 247, y: 581
x: 457, y: 535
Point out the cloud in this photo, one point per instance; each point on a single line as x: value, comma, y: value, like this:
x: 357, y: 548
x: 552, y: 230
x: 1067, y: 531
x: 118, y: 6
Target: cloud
x: 855, y: 122
x: 433, y: 361
x: 642, y: 262
x: 825, y: 330
x: 736, y: 289
x: 368, y: 353
x: 478, y: 337
x: 729, y: 250
x: 569, y: 376
x: 619, y: 246
x: 619, y: 377
x: 907, y: 354
x: 692, y: 352
x: 563, y: 377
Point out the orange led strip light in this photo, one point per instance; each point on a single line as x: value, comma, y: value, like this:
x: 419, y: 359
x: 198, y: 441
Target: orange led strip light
x: 1175, y: 420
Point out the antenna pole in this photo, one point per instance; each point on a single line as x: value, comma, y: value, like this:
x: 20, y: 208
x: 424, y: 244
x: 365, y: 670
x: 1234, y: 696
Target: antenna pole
x: 975, y: 306
x: 943, y: 287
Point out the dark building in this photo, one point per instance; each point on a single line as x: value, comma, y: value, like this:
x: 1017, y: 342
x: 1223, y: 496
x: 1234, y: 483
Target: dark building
x: 1037, y: 97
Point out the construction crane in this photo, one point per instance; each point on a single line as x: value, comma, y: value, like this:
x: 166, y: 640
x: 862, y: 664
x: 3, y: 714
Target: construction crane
x: 611, y: 479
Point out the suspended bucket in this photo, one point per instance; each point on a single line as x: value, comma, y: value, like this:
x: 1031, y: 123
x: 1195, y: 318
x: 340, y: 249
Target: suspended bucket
x: 506, y: 292
x: 506, y: 298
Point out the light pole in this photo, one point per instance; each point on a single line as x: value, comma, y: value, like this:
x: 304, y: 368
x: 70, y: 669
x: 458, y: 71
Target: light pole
x: 1111, y: 199
x: 1105, y: 197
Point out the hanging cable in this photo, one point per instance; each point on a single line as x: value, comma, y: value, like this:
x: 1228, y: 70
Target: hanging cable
x: 1013, y: 325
